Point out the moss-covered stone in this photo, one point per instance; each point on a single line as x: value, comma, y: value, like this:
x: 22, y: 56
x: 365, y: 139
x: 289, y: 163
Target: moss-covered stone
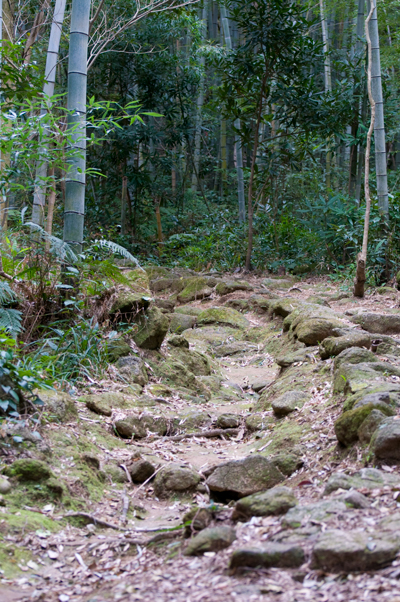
x: 354, y: 355
x: 28, y: 469
x: 275, y: 501
x: 59, y: 406
x: 288, y: 402
x: 196, y: 362
x: 133, y: 370
x: 228, y: 421
x: 152, y: 328
x: 180, y: 322
x: 139, y: 426
x: 195, y: 288
x: 175, y: 479
x: 272, y: 554
x: 347, y: 425
x: 178, y: 341
x: 192, y: 419
x: 378, y: 323
x: 353, y: 378
x: 211, y: 539
x: 385, y: 442
x: 230, y: 286
x: 370, y: 425
x: 104, y: 403
x: 222, y: 315
x: 117, y: 348
x: 189, y: 310
x: 333, y: 346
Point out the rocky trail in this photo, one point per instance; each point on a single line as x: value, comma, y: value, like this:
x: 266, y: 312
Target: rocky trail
x: 244, y: 445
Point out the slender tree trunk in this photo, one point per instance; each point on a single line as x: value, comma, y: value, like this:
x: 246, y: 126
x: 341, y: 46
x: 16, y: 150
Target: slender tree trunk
x: 50, y: 208
x: 359, y: 282
x: 74, y: 210
x: 7, y: 33
x: 39, y: 196
x: 124, y: 204
x: 379, y: 129
x: 238, y: 143
x: 200, y: 102
x: 328, y: 83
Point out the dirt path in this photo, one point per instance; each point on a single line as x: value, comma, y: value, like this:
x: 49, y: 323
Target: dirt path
x: 46, y: 557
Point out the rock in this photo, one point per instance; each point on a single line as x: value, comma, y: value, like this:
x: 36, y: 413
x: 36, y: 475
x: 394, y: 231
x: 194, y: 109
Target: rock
x: 311, y: 324
x: 189, y: 310
x: 211, y: 539
x: 354, y: 378
x: 259, y: 385
x: 176, y: 374
x: 348, y: 424
x: 5, y: 485
x: 178, y: 341
x: 275, y: 501
x: 288, y: 402
x: 378, y: 323
x: 385, y: 442
x: 104, y: 403
x: 338, y: 550
x: 166, y: 305
x: 228, y: 421
x: 161, y: 284
x: 355, y: 499
x: 301, y: 355
x: 354, y: 355
x: 222, y: 315
x: 284, y: 306
x: 261, y: 302
x: 287, y: 462
x: 141, y: 469
x: 230, y: 286
x: 115, y: 473
x: 196, y: 362
x: 138, y: 426
x: 300, y: 516
x: 258, y: 422
x: 175, y: 479
x: 333, y: 346
x: 193, y: 419
x: 213, y: 383
x: 59, y: 405
x: 152, y: 328
x: 382, y: 393
x: 195, y: 288
x: 91, y: 460
x: 379, y: 400
x: 370, y: 478
x: 314, y: 299
x: 238, y: 478
x: 180, y: 322
x: 133, y: 370
x: 271, y: 555
x: 20, y: 431
x: 196, y: 519
x: 117, y: 348
x: 128, y: 302
x: 227, y: 349
x: 28, y: 469
x: 369, y: 426
x: 238, y: 304
x: 278, y: 283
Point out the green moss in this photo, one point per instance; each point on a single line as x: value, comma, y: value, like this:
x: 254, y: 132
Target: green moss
x: 28, y: 469
x: 10, y: 557
x: 222, y: 315
x: 346, y: 427
x: 195, y: 288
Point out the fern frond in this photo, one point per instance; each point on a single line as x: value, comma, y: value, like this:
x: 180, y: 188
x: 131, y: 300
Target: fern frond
x: 10, y: 320
x: 118, y: 250
x: 60, y: 248
x: 6, y: 293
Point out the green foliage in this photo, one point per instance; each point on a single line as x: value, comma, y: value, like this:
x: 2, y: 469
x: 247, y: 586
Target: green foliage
x: 10, y: 319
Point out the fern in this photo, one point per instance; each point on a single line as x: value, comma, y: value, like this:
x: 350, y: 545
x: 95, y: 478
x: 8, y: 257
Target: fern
x: 10, y: 320
x: 118, y: 250
x: 58, y: 246
x: 6, y: 293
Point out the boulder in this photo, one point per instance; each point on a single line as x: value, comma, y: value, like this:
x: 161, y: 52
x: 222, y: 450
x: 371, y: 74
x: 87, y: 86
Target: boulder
x: 175, y: 479
x: 141, y: 469
x: 369, y: 478
x: 238, y: 304
x: 378, y: 323
x: 348, y: 424
x: 161, y: 284
x: 228, y: 421
x: 230, y: 286
x: 288, y: 402
x: 133, y: 370
x: 197, y: 363
x: 178, y: 341
x: 28, y: 469
x: 287, y: 462
x: 301, y: 355
x: 355, y: 378
x: 270, y: 555
x: 275, y: 501
x: 138, y: 426
x: 370, y: 425
x: 315, y: 300
x: 227, y: 349
x: 128, y: 302
x: 262, y: 301
x: 104, y: 403
x: 195, y: 288
x: 166, y: 305
x: 278, y: 283
x: 385, y: 441
x: 284, y: 306
x: 259, y: 384
x: 180, y: 322
x: 152, y: 328
x: 238, y: 478
x: 333, y: 346
x: 311, y: 324
x: 114, y: 472
x: 354, y: 355
x: 5, y: 485
x: 189, y: 310
x: 343, y: 550
x: 117, y: 348
x: 222, y: 315
x: 176, y: 374
x: 300, y: 516
x: 211, y: 539
x: 355, y: 499
x: 382, y: 393
x: 59, y: 405
x: 196, y: 519
x: 193, y: 419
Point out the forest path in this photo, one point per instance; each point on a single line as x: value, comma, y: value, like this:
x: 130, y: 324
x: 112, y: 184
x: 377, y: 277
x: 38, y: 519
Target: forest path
x: 66, y: 562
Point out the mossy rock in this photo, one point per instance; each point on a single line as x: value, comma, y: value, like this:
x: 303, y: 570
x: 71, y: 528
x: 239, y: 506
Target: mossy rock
x: 28, y: 469
x: 386, y: 290
x: 133, y: 370
x: 176, y: 374
x: 272, y: 502
x: 115, y: 473
x: 59, y: 405
x: 178, y: 341
x: 241, y: 305
x: 230, y: 286
x: 180, y: 322
x: 192, y: 419
x: 196, y: 362
x: 353, y: 378
x: 384, y: 393
x: 104, y: 403
x: 222, y: 315
x: 288, y: 402
x: 348, y: 424
x: 117, y: 348
x: 152, y: 328
x: 378, y: 323
x: 175, y: 479
x: 195, y: 288
x: 370, y: 425
x: 138, y: 280
x: 189, y: 310
x: 284, y: 307
x: 333, y: 346
x: 354, y: 355
x: 128, y: 302
x: 139, y: 426
x: 278, y: 283
x: 211, y: 539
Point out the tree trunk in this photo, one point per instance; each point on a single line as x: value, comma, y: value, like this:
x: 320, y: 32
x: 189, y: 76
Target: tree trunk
x: 238, y: 143
x: 379, y: 129
x: 77, y: 84
x: 6, y: 33
x: 50, y: 208
x: 328, y: 84
x: 359, y: 282
x: 124, y: 203
x: 39, y: 196
x: 200, y: 102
